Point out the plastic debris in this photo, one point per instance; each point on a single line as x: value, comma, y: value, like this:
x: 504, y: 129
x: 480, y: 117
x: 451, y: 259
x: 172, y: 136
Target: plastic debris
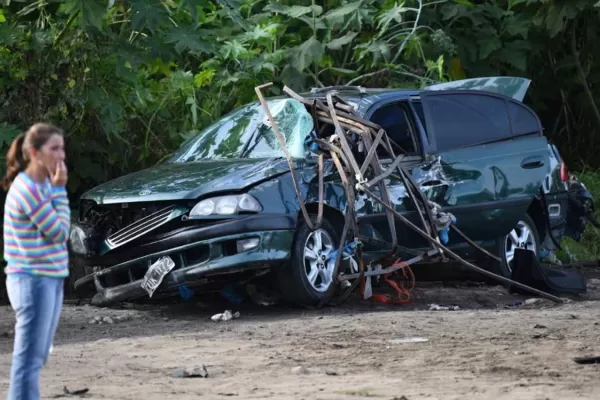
x: 225, y: 316
x: 194, y: 372
x: 185, y: 292
x: 532, y: 301
x: 300, y: 370
x: 587, y: 360
x: 409, y: 340
x: 437, y: 307
x: 232, y: 294
x: 71, y: 393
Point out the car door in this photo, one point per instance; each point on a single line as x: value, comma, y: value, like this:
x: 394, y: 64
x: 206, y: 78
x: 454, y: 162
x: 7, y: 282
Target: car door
x: 487, y: 158
x: 397, y: 119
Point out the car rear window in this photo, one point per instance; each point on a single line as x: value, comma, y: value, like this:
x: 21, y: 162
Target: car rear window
x: 460, y: 120
x: 523, y: 120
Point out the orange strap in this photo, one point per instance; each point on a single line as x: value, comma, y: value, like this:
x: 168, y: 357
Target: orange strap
x: 403, y: 294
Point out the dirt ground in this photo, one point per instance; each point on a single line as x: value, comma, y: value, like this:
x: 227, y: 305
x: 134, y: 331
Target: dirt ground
x: 496, y: 346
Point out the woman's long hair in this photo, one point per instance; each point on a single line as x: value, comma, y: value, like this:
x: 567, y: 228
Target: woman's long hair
x: 17, y: 157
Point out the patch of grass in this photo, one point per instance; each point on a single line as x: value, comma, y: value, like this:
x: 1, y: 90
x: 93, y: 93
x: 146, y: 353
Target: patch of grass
x: 588, y: 248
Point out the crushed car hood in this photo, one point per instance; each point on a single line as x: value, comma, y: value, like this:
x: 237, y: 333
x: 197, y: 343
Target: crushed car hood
x: 182, y: 181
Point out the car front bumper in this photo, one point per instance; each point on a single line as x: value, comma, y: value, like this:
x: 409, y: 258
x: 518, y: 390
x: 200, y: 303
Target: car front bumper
x: 198, y: 253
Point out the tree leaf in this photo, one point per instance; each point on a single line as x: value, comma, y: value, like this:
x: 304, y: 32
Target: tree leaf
x: 516, y: 58
x: 338, y: 43
x: 343, y: 11
x: 294, y: 11
x: 233, y: 49
x: 191, y: 101
x: 204, y: 77
x: 518, y: 26
x: 147, y: 13
x: 342, y: 71
x: 187, y: 38
x: 395, y: 13
x: 464, y: 3
x: 308, y: 52
x: 377, y: 48
x: 90, y: 12
x: 487, y: 46
x: 449, y: 11
x: 317, y: 23
x: 2, y: 17
x: 8, y: 133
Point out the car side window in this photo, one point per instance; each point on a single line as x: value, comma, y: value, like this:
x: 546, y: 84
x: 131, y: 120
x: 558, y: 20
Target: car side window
x: 393, y: 118
x: 523, y: 121
x: 461, y: 120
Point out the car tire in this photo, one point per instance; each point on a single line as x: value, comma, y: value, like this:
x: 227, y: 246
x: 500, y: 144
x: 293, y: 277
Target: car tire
x: 308, y: 278
x: 524, y: 235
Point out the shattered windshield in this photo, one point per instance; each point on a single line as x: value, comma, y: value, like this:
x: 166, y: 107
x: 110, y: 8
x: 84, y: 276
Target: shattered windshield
x: 247, y: 133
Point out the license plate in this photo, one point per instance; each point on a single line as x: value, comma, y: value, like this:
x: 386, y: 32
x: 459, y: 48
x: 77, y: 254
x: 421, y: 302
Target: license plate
x: 156, y: 273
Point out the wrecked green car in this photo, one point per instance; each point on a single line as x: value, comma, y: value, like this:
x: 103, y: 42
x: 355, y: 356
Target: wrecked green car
x: 224, y: 207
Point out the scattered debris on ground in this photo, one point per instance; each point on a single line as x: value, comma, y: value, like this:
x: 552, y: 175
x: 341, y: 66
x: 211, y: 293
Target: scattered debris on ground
x: 225, y: 316
x: 72, y: 393
x: 195, y: 372
x: 436, y: 307
x: 484, y: 350
x: 587, y: 360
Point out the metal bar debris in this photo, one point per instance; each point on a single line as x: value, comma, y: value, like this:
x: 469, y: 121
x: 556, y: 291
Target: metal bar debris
x: 284, y: 148
x: 343, y: 149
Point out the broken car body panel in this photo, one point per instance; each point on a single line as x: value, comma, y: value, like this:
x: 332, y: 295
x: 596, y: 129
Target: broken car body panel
x: 488, y: 185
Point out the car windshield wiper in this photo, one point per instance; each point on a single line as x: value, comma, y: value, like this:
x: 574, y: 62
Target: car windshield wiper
x: 254, y: 140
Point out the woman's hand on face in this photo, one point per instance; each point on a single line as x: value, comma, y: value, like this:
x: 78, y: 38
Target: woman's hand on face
x: 59, y: 175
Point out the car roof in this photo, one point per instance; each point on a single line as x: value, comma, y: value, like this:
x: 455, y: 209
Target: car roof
x: 509, y: 86
x: 361, y: 97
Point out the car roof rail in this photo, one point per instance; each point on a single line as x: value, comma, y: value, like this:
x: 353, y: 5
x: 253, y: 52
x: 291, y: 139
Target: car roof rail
x: 360, y: 89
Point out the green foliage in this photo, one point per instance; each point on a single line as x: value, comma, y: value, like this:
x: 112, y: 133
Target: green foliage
x: 588, y: 248
x: 127, y: 80
x: 552, y: 42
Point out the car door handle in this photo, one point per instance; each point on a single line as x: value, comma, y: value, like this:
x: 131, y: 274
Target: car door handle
x: 532, y: 162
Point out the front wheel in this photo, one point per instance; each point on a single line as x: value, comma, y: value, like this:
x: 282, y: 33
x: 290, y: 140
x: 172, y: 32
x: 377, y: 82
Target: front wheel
x: 309, y: 277
x: 525, y: 236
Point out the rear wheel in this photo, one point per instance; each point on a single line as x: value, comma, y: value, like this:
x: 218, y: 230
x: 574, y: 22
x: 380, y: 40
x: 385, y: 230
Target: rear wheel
x: 309, y: 277
x: 525, y: 236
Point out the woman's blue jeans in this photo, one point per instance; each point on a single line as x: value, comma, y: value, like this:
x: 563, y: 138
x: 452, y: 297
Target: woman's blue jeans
x: 37, y: 302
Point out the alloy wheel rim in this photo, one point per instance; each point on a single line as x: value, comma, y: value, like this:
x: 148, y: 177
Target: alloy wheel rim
x: 318, y: 264
x: 519, y: 238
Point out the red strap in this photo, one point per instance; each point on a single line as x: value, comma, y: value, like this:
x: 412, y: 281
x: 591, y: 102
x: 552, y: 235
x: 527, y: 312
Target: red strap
x: 403, y: 294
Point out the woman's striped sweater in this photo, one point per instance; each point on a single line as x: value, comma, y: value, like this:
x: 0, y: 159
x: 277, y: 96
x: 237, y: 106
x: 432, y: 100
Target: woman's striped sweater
x: 37, y: 220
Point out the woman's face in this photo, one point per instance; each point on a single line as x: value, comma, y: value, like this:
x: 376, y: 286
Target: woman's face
x: 51, y: 153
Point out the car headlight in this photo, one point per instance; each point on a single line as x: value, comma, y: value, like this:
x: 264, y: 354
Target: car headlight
x: 226, y: 205
x: 77, y: 239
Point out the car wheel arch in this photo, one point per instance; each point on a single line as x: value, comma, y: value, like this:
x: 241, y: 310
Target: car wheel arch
x: 333, y: 215
x: 537, y: 214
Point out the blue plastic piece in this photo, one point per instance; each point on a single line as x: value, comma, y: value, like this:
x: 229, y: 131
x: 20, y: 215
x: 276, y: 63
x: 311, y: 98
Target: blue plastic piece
x: 185, y: 292
x: 229, y: 292
x: 349, y: 249
x: 444, y: 233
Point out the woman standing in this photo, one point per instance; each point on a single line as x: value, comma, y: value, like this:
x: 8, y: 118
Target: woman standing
x: 36, y: 230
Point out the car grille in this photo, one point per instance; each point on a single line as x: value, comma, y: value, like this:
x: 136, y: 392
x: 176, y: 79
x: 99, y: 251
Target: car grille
x: 140, y: 227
